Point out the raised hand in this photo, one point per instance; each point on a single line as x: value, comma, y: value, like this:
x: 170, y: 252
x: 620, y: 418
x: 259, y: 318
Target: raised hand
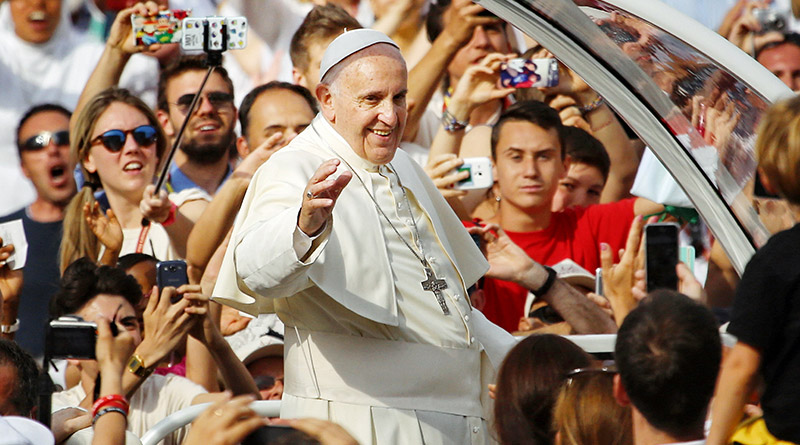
x: 465, y: 16
x: 320, y: 196
x: 10, y: 280
x: 165, y: 325
x: 618, y: 279
x: 155, y: 207
x: 105, y: 227
x: 478, y: 85
x: 121, y: 36
x: 507, y: 261
x: 439, y: 168
x: 253, y: 158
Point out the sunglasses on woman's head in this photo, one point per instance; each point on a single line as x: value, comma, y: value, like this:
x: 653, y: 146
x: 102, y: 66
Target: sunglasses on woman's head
x: 114, y: 140
x: 44, y: 138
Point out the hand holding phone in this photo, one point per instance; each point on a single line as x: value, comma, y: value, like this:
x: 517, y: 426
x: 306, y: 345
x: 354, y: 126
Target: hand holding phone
x: 172, y: 274
x: 164, y: 27
x: 480, y: 174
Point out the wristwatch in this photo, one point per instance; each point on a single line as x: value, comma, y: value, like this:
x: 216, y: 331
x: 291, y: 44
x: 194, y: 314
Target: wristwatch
x: 137, y: 367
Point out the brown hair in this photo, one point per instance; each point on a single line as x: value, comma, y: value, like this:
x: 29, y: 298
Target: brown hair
x: 778, y: 148
x: 586, y: 412
x: 78, y: 239
x: 527, y: 385
x: 323, y: 22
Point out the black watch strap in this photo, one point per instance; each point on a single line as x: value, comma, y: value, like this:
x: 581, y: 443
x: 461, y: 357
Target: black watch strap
x: 551, y: 278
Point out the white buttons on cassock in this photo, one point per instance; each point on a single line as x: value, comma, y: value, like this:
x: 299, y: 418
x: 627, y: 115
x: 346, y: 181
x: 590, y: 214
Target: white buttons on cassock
x: 476, y: 429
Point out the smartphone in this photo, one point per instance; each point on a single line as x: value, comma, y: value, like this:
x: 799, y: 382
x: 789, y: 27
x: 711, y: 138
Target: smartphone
x: 164, y: 27
x: 529, y: 73
x: 214, y: 33
x: 269, y: 434
x: 598, y: 281
x: 661, y: 255
x: 71, y: 337
x: 480, y: 174
x: 171, y: 273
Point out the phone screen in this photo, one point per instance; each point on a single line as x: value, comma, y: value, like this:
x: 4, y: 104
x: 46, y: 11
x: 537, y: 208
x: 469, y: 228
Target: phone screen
x: 661, y: 256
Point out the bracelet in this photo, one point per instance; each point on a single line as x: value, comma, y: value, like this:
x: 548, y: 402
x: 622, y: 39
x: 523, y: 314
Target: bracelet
x: 9, y: 328
x: 592, y: 106
x: 113, y: 400
x: 110, y: 409
x: 171, y: 218
x: 548, y: 283
x: 451, y: 124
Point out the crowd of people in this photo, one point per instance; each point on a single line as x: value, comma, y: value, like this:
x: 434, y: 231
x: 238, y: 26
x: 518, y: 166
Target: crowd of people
x: 314, y: 200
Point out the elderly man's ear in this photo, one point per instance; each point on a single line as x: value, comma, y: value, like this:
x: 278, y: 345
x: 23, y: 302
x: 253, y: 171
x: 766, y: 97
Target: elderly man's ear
x: 325, y: 99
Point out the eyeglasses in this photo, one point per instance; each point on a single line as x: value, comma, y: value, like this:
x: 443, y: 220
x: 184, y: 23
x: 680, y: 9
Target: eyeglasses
x: 114, y: 140
x: 218, y: 100
x: 44, y: 138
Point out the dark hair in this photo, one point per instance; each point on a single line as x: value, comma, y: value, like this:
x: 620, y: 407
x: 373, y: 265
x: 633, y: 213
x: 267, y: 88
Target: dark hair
x: 84, y: 280
x: 180, y: 66
x: 323, y: 22
x: 533, y: 111
x: 584, y: 148
x: 250, y: 99
x: 527, y: 386
x: 668, y: 352
x: 36, y: 109
x: 791, y: 38
x: 26, y: 386
x: 125, y: 262
x: 434, y: 21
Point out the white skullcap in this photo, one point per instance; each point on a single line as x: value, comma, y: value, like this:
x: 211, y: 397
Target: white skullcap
x: 349, y: 43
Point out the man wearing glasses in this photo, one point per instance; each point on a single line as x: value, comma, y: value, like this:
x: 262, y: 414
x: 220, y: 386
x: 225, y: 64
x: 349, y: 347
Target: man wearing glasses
x: 43, y: 144
x: 203, y: 160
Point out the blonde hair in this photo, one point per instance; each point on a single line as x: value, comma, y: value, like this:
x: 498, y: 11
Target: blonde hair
x: 778, y: 148
x: 586, y: 412
x: 78, y: 239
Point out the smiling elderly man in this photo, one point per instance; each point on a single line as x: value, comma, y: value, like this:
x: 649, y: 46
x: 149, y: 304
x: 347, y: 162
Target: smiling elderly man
x: 348, y: 241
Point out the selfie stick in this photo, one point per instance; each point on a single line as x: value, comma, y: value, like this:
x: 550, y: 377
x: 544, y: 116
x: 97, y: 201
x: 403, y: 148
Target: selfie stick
x: 213, y: 60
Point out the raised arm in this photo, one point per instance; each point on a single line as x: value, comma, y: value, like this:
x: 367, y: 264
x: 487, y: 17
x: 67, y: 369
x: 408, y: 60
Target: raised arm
x: 119, y: 48
x: 509, y: 262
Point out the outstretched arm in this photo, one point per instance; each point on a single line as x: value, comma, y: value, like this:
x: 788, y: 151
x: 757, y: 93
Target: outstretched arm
x: 509, y: 262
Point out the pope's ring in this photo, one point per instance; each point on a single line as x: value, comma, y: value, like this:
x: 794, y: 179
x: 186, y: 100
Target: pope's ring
x: 309, y: 195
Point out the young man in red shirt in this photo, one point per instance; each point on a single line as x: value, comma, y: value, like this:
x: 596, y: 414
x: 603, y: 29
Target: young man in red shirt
x: 528, y: 164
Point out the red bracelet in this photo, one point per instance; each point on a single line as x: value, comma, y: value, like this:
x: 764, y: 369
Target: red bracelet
x: 115, y: 400
x: 171, y: 218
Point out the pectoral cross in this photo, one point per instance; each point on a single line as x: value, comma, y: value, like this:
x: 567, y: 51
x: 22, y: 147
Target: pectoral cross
x: 436, y: 285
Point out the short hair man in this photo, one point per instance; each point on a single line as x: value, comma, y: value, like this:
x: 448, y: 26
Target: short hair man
x: 43, y: 147
x: 19, y: 381
x: 322, y: 24
x: 783, y: 60
x: 668, y: 353
x: 362, y: 296
x: 203, y: 158
x: 587, y: 173
x: 271, y: 109
x: 529, y: 162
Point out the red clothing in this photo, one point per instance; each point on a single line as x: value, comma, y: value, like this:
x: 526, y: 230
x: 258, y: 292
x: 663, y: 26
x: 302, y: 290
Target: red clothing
x: 574, y: 233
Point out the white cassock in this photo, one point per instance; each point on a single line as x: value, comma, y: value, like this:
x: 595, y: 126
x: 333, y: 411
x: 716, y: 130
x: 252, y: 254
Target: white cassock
x: 366, y: 346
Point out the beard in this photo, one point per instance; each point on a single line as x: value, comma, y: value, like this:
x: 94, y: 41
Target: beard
x: 210, y: 152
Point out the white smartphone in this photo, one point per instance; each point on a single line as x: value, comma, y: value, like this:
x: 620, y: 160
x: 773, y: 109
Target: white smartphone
x: 194, y: 33
x: 480, y: 174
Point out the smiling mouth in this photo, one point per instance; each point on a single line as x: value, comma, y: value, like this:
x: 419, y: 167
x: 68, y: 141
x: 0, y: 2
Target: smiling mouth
x: 37, y: 16
x: 382, y: 133
x: 132, y: 166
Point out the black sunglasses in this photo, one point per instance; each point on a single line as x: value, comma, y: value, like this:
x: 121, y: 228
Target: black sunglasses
x: 44, y: 138
x: 216, y: 99
x: 114, y: 140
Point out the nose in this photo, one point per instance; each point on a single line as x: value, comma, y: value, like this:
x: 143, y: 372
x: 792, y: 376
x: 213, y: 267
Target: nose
x: 479, y: 38
x: 204, y: 106
x: 388, y: 112
x: 531, y: 168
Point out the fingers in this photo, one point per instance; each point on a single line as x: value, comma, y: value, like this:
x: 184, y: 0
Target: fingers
x: 152, y: 302
x: 443, y: 164
x: 634, y: 237
x: 606, y: 258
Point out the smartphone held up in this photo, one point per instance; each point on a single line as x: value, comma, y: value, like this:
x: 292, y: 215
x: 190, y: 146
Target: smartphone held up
x: 661, y: 256
x: 193, y: 33
x: 529, y: 73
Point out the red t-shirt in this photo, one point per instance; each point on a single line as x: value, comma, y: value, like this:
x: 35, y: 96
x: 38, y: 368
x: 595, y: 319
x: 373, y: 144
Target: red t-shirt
x: 574, y: 233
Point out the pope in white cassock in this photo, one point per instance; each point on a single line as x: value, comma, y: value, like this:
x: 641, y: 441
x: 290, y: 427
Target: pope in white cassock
x: 350, y: 243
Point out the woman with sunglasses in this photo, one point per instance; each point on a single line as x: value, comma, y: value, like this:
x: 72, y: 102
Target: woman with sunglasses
x: 118, y: 141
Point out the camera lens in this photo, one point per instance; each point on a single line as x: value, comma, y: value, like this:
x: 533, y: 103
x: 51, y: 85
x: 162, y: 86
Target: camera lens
x: 172, y: 268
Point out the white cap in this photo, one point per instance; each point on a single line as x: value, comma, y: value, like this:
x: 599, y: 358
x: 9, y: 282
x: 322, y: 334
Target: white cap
x: 349, y: 43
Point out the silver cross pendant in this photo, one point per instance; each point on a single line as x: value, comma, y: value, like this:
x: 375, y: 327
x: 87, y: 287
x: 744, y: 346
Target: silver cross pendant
x: 436, y: 285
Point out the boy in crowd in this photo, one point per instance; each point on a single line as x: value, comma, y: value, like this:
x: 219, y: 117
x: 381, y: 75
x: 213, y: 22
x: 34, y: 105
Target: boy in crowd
x: 588, y: 169
x: 529, y: 163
